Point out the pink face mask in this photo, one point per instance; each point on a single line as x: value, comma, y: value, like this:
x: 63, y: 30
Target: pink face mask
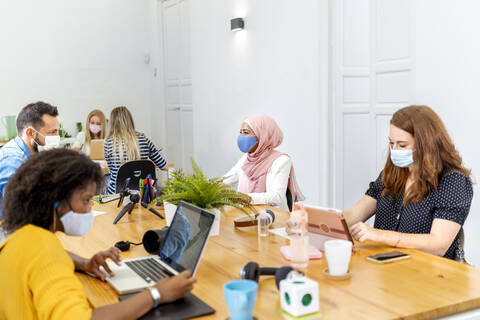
x: 95, y: 128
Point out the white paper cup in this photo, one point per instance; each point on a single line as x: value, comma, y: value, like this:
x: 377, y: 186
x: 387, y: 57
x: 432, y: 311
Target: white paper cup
x: 338, y: 253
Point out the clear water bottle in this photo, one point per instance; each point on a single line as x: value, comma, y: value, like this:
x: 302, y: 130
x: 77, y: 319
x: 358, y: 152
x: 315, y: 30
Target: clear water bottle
x: 297, y: 226
x: 265, y: 220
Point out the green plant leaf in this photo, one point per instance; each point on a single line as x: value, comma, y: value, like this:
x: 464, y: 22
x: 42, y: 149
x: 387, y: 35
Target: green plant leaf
x: 204, y: 192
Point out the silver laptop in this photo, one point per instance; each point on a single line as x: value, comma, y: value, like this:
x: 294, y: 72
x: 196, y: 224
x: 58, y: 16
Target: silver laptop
x: 181, y: 250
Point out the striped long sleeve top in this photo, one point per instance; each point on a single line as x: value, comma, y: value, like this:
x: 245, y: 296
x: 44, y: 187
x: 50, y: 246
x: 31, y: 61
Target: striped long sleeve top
x: 147, y: 151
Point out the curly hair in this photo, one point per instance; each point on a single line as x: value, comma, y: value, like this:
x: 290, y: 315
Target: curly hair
x: 42, y: 180
x: 434, y: 154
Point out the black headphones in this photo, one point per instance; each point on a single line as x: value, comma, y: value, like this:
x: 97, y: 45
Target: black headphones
x: 252, y: 271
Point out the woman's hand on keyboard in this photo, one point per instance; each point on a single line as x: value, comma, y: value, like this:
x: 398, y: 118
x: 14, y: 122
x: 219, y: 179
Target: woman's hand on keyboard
x: 93, y: 264
x: 174, y: 288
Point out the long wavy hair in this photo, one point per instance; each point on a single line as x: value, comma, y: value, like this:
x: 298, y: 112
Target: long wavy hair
x: 434, y: 153
x: 123, y: 134
x: 88, y: 134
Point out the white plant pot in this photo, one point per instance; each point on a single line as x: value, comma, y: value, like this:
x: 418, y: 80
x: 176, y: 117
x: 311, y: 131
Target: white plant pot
x: 216, y: 223
x: 170, y: 213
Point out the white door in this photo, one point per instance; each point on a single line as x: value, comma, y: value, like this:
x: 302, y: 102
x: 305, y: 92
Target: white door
x: 178, y: 82
x: 187, y: 131
x: 373, y: 75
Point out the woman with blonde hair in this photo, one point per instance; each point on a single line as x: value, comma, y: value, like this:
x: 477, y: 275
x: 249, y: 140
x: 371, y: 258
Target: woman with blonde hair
x: 96, y: 126
x: 124, y: 143
x: 423, y: 195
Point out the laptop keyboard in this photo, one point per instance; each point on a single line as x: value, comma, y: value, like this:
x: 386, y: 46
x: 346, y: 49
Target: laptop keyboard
x: 149, y: 269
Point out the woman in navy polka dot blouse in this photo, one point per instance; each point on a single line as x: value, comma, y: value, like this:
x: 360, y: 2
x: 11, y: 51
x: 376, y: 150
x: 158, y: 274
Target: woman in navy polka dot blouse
x: 423, y: 194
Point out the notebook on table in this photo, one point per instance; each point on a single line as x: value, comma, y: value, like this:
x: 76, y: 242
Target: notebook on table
x: 186, y: 308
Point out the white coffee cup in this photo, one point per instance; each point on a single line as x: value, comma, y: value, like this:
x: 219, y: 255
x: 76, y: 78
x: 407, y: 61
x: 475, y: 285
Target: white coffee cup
x: 338, y: 253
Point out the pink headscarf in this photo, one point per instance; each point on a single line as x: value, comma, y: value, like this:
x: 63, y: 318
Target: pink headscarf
x: 259, y: 162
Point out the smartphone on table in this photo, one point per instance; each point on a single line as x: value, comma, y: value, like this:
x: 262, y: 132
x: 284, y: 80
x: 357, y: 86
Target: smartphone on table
x: 390, y: 256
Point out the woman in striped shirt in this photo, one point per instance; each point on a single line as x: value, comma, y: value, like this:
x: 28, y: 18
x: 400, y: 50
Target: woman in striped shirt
x: 123, y: 144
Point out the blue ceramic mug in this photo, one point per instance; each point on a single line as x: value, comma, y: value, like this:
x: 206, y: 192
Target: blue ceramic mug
x: 240, y: 296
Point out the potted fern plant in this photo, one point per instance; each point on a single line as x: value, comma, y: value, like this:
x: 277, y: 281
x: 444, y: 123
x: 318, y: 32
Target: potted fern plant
x: 207, y: 193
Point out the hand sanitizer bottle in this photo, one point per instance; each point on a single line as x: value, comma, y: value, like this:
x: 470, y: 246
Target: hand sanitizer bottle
x: 299, y: 236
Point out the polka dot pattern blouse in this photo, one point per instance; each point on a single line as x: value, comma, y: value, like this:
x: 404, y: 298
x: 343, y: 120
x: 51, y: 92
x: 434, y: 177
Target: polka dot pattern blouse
x: 450, y: 201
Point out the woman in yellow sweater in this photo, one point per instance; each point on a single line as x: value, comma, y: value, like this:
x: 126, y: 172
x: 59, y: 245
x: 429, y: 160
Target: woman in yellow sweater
x: 51, y: 192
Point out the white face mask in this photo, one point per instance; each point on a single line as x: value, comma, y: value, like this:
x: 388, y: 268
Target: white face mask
x: 401, y: 158
x: 77, y: 224
x: 51, y: 142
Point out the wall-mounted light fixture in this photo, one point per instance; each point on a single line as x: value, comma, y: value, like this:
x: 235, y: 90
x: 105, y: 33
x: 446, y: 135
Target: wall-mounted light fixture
x: 237, y: 24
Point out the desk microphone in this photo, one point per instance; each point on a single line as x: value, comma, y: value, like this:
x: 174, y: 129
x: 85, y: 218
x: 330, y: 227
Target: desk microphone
x: 152, y: 241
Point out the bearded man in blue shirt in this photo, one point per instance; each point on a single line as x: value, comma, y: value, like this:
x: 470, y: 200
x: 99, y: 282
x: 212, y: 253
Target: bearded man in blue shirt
x: 37, y: 127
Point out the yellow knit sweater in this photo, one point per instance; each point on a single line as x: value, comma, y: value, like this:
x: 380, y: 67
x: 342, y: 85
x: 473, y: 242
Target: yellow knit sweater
x: 37, y: 279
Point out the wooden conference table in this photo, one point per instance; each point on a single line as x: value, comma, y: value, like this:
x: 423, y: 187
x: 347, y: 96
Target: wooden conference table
x: 424, y: 286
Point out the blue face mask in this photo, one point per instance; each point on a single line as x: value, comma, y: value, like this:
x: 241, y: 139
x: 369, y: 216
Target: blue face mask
x: 246, y: 143
x: 401, y: 158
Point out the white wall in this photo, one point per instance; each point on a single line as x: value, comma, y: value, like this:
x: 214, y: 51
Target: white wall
x: 178, y: 82
x: 373, y: 76
x: 441, y: 39
x: 276, y: 66
x: 79, y: 55
x: 447, y: 69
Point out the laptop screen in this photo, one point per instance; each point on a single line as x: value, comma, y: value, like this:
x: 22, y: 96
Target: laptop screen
x: 186, y: 237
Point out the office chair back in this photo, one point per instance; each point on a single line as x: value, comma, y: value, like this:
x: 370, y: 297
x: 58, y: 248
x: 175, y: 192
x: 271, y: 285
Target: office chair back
x: 289, y: 200
x: 135, y: 170
x: 460, y: 251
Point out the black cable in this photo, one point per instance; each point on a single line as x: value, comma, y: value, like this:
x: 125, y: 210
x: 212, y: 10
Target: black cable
x: 125, y: 245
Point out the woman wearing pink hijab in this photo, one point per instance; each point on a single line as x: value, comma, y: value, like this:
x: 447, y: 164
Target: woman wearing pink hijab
x: 264, y: 173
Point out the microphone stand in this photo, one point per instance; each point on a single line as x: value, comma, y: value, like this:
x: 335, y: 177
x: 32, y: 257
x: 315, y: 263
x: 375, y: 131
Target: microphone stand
x: 152, y: 210
x: 134, y: 199
x: 123, y: 194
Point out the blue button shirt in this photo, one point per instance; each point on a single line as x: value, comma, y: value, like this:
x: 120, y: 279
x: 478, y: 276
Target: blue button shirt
x: 12, y: 156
